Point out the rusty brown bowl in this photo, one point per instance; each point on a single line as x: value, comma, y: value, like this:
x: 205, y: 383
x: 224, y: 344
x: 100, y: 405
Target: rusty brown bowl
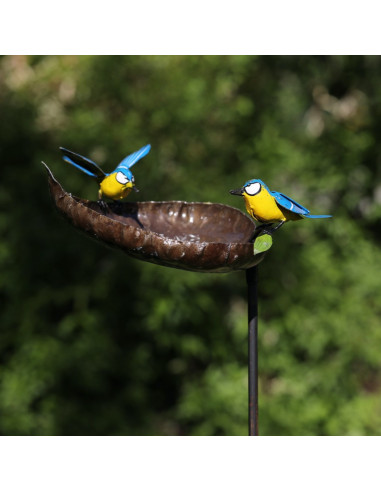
x: 201, y: 237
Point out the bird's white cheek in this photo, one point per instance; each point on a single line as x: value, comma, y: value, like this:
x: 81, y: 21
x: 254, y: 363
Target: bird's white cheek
x: 121, y: 178
x: 252, y: 189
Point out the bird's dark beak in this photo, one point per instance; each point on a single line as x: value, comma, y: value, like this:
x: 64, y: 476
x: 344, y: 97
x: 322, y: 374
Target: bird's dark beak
x: 238, y: 191
x: 135, y: 189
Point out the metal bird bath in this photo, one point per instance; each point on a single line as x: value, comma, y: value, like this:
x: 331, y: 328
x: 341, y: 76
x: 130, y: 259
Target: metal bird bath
x: 199, y: 237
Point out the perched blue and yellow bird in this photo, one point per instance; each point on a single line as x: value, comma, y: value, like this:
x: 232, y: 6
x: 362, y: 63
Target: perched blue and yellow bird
x: 269, y: 207
x: 115, y: 185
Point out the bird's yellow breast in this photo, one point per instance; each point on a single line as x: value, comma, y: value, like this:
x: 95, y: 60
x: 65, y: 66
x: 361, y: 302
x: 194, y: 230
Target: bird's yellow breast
x: 264, y: 208
x: 111, y: 188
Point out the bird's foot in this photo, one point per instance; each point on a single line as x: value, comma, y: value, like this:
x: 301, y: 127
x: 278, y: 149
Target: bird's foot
x: 279, y: 225
x: 262, y: 229
x: 267, y: 229
x: 102, y: 205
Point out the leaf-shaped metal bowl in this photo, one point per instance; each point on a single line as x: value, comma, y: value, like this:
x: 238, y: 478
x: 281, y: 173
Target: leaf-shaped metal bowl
x: 201, y: 237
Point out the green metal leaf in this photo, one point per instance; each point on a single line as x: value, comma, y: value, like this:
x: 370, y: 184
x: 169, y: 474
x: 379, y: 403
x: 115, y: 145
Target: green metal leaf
x: 262, y: 243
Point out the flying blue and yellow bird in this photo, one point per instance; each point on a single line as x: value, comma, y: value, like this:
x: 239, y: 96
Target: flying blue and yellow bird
x: 115, y: 185
x: 269, y: 207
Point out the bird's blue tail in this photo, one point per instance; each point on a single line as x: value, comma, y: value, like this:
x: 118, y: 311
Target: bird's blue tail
x: 317, y: 216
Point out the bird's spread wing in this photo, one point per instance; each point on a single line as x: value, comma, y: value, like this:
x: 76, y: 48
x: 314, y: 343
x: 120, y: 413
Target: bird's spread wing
x: 132, y: 159
x: 289, y: 204
x: 83, y: 163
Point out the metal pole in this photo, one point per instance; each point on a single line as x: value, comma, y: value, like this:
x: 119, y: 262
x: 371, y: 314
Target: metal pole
x: 252, y: 298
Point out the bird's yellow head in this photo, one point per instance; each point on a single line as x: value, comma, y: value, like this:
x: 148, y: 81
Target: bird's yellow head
x: 116, y: 186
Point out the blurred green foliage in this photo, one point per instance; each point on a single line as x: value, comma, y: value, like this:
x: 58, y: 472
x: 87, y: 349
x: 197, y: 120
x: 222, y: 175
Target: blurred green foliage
x: 94, y: 343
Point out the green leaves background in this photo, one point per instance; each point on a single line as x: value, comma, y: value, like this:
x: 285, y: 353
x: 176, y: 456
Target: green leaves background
x: 92, y: 342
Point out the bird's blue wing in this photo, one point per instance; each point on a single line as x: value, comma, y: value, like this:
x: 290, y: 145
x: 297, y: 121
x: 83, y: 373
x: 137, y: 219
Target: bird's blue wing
x: 289, y: 204
x: 132, y: 159
x: 67, y: 159
x: 83, y: 163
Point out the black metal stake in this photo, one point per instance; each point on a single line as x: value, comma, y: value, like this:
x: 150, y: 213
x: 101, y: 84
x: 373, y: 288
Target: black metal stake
x: 252, y: 298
